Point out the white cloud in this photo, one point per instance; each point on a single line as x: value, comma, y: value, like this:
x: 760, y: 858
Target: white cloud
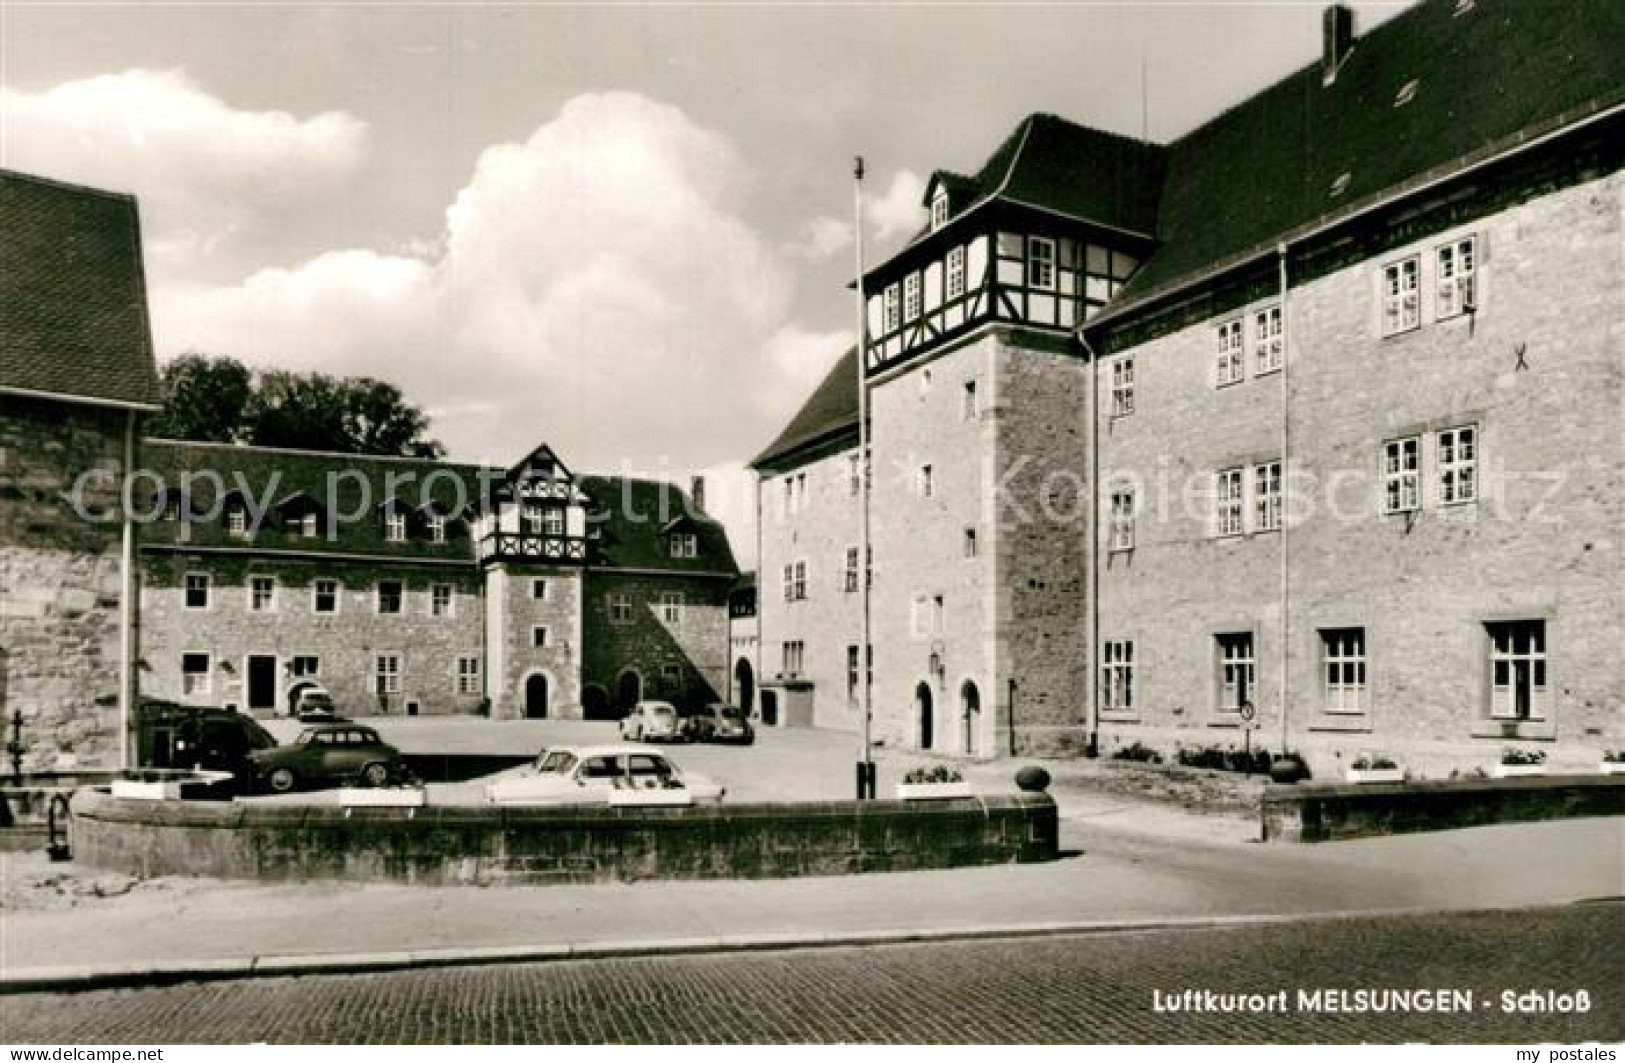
x: 205, y: 172
x: 897, y: 211
x: 821, y: 238
x: 596, y: 286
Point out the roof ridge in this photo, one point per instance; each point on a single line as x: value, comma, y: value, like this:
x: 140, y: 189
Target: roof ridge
x: 66, y: 186
x: 261, y: 448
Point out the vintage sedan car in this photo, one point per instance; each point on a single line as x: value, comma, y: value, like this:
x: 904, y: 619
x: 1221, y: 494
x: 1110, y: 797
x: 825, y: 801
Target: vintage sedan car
x: 331, y: 752
x: 316, y: 706
x: 622, y: 774
x: 651, y: 721
x: 718, y: 723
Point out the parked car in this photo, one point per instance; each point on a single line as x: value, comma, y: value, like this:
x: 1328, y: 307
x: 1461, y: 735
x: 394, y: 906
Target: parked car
x: 718, y: 723
x: 171, y: 735
x: 624, y: 773
x: 651, y: 721
x: 330, y: 752
x: 316, y: 706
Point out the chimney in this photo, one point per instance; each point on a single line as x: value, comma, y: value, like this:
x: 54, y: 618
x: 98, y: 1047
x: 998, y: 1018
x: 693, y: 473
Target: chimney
x: 696, y: 493
x: 1337, y: 39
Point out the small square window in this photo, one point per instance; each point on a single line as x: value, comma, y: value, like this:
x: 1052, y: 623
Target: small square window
x: 197, y: 590
x: 261, y: 594
x: 196, y: 676
x: 390, y: 596
x: 324, y: 596
x: 620, y: 609
x: 441, y: 602
x: 538, y: 638
x: 395, y: 527
x: 970, y: 545
x: 538, y: 590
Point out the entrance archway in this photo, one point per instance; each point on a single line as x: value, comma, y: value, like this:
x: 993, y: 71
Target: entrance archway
x: 744, y: 685
x: 595, y: 704
x: 970, y: 704
x: 922, y: 711
x: 536, y: 697
x: 297, y: 689
x: 628, y: 690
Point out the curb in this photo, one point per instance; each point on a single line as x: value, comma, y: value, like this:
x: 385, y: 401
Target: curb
x: 146, y: 975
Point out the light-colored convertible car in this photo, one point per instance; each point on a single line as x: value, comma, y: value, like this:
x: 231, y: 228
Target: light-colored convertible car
x: 623, y: 774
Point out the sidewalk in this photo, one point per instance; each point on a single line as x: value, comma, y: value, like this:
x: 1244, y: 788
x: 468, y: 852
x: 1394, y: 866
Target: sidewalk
x: 1125, y: 864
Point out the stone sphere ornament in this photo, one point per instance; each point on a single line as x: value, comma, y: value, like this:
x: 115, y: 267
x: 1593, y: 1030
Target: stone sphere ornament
x: 1033, y: 779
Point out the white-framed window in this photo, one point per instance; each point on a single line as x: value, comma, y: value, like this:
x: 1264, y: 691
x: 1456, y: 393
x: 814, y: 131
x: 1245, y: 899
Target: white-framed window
x: 262, y: 594
x: 924, y: 482
x: 1231, y: 366
x: 1122, y: 524
x: 1234, y: 652
x: 531, y: 517
x: 395, y: 526
x: 539, y: 590
x: 1123, y: 387
x: 387, y: 673
x: 968, y: 409
x: 324, y: 596
x: 893, y: 309
x: 390, y: 596
x: 1401, y: 308
x: 671, y: 607
x: 971, y: 547
x: 939, y: 211
x: 441, y: 602
x: 1267, y: 496
x: 1518, y: 689
x: 468, y: 674
x: 1401, y: 475
x: 1041, y: 263
x: 854, y: 475
x: 1342, y: 668
x: 911, y: 296
x: 538, y: 637
x: 620, y: 608
x: 437, y: 527
x: 197, y: 675
x: 954, y: 278
x: 685, y: 544
x: 849, y: 579
x: 552, y: 520
x: 305, y: 525
x: 197, y: 590
x: 1267, y: 343
x: 1117, y: 675
x: 1457, y: 460
x: 237, y: 520
x: 1228, y: 495
x: 792, y: 654
x: 1457, y: 276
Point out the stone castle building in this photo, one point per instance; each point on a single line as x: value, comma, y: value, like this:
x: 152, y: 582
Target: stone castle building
x: 1300, y: 430
x: 239, y: 576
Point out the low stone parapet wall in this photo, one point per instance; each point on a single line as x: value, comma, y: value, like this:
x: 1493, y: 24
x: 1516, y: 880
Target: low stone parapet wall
x: 489, y: 845
x: 1326, y: 812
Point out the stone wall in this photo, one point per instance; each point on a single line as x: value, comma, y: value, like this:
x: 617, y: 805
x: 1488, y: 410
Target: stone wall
x: 514, y: 658
x: 60, y: 581
x: 1537, y: 369
x: 347, y: 643
x: 541, y: 846
x: 695, y: 647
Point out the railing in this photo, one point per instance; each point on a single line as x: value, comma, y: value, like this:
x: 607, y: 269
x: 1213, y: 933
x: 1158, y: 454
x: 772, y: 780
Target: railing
x: 537, y: 547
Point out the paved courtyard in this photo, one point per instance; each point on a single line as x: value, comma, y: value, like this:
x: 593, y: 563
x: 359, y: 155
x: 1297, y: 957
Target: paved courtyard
x: 1094, y: 988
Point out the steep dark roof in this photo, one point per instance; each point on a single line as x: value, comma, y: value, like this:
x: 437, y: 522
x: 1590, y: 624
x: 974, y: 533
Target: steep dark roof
x: 73, y: 302
x: 348, y: 483
x: 829, y: 412
x: 627, y: 521
x: 1500, y: 72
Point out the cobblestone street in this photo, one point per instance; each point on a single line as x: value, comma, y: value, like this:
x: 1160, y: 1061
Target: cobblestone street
x: 1062, y: 989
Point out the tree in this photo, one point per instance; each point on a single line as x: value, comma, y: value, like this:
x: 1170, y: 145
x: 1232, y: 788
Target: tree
x: 205, y: 397
x: 217, y: 399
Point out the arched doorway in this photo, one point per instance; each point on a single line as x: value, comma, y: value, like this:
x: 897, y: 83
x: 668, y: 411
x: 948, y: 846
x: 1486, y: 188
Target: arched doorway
x: 628, y: 690
x: 770, y: 708
x: 297, y: 689
x: 744, y: 685
x: 536, y: 697
x: 922, y: 711
x: 970, y: 703
x: 595, y: 703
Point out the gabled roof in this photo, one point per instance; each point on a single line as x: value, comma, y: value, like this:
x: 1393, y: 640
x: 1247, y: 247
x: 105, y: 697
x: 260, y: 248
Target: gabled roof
x: 829, y: 413
x: 627, y: 519
x: 1497, y: 74
x: 73, y: 300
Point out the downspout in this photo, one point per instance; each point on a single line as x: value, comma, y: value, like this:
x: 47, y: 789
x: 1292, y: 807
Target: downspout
x: 1286, y: 440
x: 127, y: 592
x: 1091, y: 627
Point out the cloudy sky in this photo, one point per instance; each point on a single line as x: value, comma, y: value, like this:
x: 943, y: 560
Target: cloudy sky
x: 622, y: 230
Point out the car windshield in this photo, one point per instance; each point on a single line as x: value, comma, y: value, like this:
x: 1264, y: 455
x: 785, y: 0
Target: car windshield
x: 257, y: 736
x: 660, y: 710
x: 555, y: 761
x: 305, y: 738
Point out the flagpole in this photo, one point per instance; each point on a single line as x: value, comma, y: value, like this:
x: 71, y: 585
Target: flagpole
x: 866, y: 767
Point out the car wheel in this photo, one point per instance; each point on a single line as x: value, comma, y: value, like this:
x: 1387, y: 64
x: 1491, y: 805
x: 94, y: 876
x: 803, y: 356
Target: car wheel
x: 375, y: 774
x: 281, y: 780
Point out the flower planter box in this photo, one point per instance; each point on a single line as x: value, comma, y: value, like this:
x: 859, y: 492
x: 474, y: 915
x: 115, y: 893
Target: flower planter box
x: 1517, y: 771
x: 1365, y: 775
x: 136, y: 790
x: 355, y: 798
x: 932, y: 791
x: 1613, y: 767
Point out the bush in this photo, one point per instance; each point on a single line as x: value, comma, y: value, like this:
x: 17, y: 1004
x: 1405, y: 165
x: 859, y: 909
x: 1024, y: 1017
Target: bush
x: 1226, y: 758
x: 1522, y: 757
x: 1373, y: 763
x: 935, y: 773
x: 1138, y: 752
